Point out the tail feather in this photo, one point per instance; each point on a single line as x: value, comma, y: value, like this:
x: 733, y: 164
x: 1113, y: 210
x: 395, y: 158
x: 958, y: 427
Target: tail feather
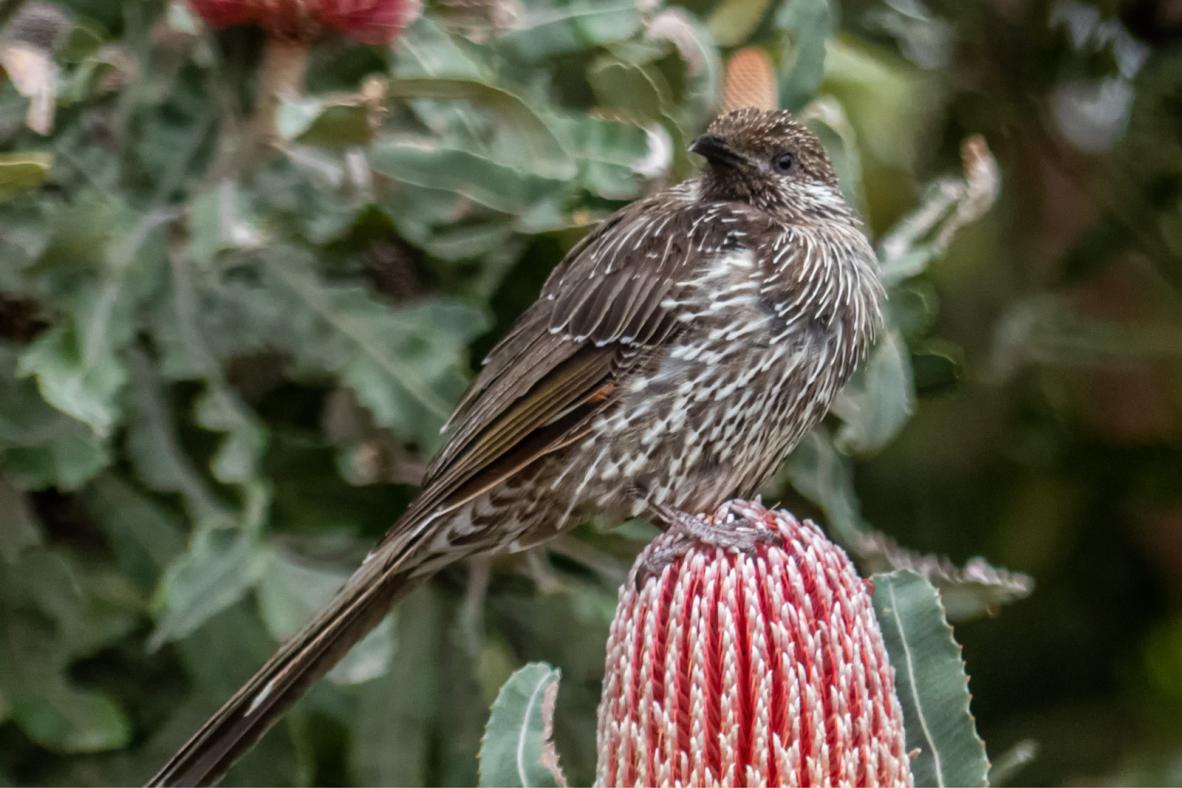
x: 357, y: 608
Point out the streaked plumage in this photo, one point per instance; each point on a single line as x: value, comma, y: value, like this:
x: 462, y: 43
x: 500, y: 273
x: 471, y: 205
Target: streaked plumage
x: 676, y: 355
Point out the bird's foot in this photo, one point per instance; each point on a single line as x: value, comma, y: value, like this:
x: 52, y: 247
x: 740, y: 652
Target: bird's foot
x: 687, y: 530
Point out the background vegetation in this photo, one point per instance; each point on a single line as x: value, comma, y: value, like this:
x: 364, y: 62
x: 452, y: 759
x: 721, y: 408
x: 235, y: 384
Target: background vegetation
x: 223, y: 371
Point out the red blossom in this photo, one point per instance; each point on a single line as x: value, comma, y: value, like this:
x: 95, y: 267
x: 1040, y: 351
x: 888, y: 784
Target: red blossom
x: 750, y: 670
x: 369, y: 21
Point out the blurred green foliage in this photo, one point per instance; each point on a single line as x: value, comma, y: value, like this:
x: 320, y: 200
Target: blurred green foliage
x: 222, y: 374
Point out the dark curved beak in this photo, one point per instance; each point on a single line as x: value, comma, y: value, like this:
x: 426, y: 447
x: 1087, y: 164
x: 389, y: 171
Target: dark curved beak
x: 716, y: 151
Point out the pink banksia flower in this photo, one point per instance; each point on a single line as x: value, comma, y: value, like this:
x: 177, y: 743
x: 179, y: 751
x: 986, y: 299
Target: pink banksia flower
x: 765, y: 668
x: 369, y: 21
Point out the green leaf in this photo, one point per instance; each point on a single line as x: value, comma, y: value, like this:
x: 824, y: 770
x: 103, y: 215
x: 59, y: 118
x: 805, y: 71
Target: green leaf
x: 78, y: 363
x: 820, y: 473
x: 949, y: 204
x: 517, y: 750
x: 402, y: 362
x: 218, y: 568
x: 534, y: 144
x: 611, y: 154
x: 426, y: 50
x: 638, y: 93
x: 144, y: 535
x: 220, y: 409
x: 828, y: 119
x: 930, y: 681
x: 547, y: 29
x: 19, y: 527
x: 290, y: 593
x: 21, y: 171
x: 808, y: 26
x: 703, y: 71
x: 491, y: 184
x: 977, y: 589
x: 39, y: 445
x: 44, y: 622
x: 733, y: 21
x: 878, y: 401
x: 154, y: 448
x: 403, y: 706
x: 332, y: 122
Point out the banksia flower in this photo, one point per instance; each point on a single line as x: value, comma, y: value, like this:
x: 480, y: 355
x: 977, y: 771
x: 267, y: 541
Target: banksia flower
x: 760, y: 669
x: 292, y: 27
x: 750, y: 81
x: 369, y: 21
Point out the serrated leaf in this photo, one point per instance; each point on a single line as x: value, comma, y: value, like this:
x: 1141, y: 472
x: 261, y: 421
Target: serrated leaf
x: 930, y: 681
x: 808, y: 26
x: 79, y: 363
x: 44, y: 622
x: 534, y: 144
x: 517, y: 750
x: 290, y: 593
x: 547, y: 29
x: 878, y: 401
x: 39, y: 445
x: 219, y: 567
x: 611, y: 154
x: 154, y: 447
x: 976, y: 589
x: 733, y: 21
x: 948, y: 205
x: 402, y: 362
x: 220, y: 409
x: 144, y: 536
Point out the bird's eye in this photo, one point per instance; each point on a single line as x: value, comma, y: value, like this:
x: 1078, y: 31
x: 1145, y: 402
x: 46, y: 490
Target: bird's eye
x: 784, y: 162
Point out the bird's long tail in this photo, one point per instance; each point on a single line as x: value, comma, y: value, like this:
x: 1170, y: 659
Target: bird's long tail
x: 356, y: 609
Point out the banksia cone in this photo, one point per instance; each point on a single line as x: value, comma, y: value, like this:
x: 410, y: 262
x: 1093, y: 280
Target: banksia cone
x: 370, y: 21
x: 750, y: 81
x: 761, y: 669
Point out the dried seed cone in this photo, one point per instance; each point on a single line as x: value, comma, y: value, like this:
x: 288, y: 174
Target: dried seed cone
x: 750, y: 81
x: 765, y: 669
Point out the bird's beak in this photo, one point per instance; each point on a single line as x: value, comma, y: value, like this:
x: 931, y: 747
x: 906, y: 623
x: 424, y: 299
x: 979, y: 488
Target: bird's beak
x: 716, y: 151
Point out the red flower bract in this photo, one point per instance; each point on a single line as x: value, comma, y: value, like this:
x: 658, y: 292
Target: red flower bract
x: 369, y: 21
x: 762, y: 669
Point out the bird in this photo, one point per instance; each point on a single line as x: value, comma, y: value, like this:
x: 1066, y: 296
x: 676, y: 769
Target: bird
x: 673, y: 359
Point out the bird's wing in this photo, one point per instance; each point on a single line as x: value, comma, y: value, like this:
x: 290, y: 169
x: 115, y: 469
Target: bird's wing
x: 602, y: 311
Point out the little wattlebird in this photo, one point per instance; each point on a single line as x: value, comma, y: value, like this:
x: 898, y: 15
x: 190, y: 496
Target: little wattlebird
x: 674, y: 357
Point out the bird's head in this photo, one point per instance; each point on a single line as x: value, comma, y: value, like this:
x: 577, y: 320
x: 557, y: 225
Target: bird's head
x: 770, y: 160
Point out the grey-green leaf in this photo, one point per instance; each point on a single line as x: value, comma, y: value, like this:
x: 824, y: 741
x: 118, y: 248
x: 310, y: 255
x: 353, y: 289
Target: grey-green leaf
x: 822, y: 474
x: 291, y: 592
x: 808, y: 26
x: 967, y: 592
x: 534, y: 143
x: 548, y: 29
x: 878, y: 401
x: 39, y: 445
x: 219, y: 567
x: 517, y: 750
x: 930, y: 681
x: 733, y: 21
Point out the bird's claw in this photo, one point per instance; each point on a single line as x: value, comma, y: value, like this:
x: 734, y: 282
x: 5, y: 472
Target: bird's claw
x: 685, y: 530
